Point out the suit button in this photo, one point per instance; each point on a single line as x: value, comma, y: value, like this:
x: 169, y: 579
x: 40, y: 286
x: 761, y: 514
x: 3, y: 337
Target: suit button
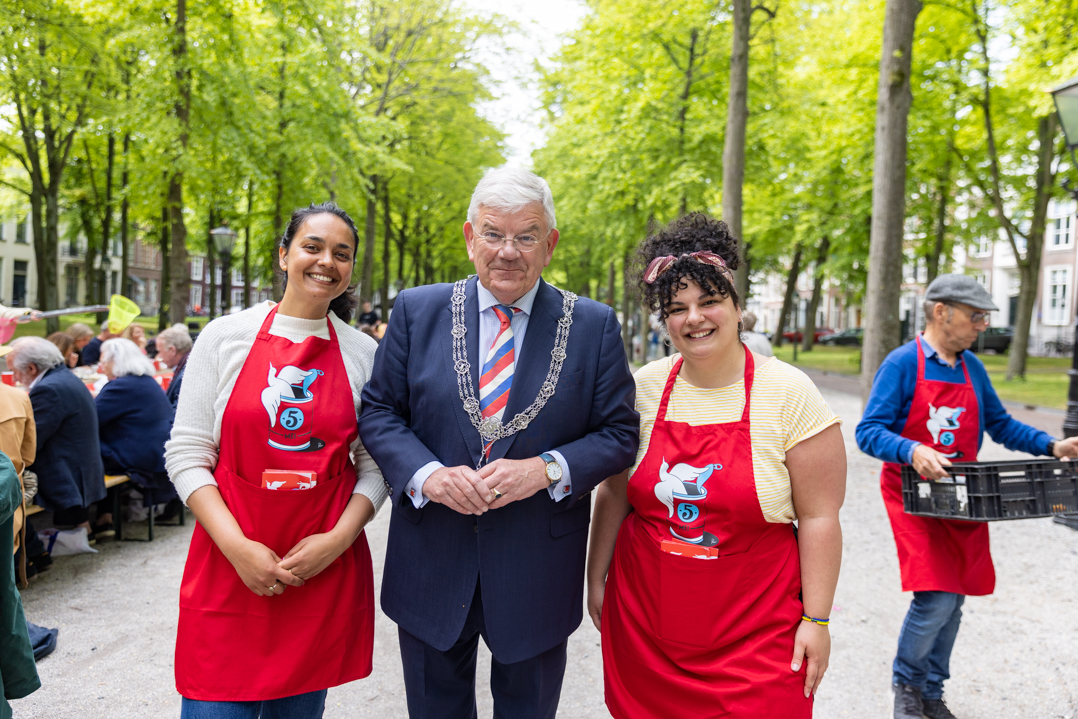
x: 475, y: 528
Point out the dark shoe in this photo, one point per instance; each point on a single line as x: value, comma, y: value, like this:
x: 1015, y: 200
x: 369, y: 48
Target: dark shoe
x: 31, y: 570
x: 908, y: 702
x: 936, y: 709
x: 103, y: 530
x: 172, y: 511
x: 41, y: 562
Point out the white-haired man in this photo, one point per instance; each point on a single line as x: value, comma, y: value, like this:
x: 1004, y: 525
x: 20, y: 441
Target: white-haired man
x: 173, y: 346
x: 68, y: 463
x: 495, y: 406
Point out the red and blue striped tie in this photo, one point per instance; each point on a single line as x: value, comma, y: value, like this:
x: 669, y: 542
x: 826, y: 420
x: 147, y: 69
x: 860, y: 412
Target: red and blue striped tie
x: 497, y: 375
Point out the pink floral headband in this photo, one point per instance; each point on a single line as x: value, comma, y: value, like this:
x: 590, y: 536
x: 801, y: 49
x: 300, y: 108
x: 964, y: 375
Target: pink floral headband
x: 661, y: 264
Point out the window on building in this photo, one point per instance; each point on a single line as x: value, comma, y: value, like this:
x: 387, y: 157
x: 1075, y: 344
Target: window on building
x: 196, y: 297
x: 982, y: 247
x: 20, y: 233
x: 217, y: 275
x: 153, y: 292
x: 237, y: 277
x: 18, y: 284
x: 982, y: 280
x: 196, y: 269
x: 1060, y: 232
x: 1058, y: 296
x: 237, y: 298
x: 71, y: 285
x: 3, y: 237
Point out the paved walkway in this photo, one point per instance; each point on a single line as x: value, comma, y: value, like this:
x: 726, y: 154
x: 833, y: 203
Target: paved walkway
x: 1015, y: 656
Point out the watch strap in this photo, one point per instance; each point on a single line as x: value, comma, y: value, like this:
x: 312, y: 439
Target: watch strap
x: 1052, y: 447
x: 548, y: 459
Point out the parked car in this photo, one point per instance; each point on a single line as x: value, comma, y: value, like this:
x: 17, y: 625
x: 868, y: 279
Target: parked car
x: 846, y: 338
x: 994, y: 339
x: 796, y: 336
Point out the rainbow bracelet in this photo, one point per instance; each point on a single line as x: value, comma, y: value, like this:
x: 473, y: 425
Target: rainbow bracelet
x: 814, y: 620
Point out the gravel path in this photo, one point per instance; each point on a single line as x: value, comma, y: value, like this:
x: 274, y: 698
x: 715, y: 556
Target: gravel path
x: 1016, y: 655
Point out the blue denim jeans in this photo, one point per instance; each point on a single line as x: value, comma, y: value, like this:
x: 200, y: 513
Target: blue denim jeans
x: 301, y: 706
x: 925, y: 643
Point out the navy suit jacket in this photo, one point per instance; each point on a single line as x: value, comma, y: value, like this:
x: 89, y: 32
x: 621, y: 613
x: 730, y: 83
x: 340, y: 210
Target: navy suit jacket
x: 529, y: 555
x: 135, y: 419
x: 68, y: 463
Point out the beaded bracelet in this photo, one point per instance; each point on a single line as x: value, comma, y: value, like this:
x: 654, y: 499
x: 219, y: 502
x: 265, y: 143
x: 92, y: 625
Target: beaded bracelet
x: 814, y: 620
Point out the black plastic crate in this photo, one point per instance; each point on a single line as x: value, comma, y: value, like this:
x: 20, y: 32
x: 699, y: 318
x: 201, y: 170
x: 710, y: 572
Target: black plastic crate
x: 991, y: 491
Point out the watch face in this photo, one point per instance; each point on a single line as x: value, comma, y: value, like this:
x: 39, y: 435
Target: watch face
x: 553, y: 471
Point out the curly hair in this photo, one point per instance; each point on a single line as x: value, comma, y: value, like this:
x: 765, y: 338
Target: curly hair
x: 693, y: 232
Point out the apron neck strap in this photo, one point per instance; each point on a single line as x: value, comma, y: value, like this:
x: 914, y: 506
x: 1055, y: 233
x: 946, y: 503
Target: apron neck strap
x: 921, y: 363
x: 750, y: 372
x: 264, y: 330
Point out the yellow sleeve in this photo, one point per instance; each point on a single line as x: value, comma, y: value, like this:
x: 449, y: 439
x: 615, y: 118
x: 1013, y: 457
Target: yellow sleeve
x: 806, y: 413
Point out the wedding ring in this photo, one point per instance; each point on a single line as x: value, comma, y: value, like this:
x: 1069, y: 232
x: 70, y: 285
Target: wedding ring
x: 497, y: 494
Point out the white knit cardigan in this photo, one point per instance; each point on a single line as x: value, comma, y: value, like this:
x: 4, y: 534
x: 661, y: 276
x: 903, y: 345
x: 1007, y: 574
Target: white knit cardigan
x: 211, y: 373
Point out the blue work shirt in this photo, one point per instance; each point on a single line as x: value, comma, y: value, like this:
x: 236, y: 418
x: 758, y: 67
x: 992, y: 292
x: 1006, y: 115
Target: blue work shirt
x: 879, y: 431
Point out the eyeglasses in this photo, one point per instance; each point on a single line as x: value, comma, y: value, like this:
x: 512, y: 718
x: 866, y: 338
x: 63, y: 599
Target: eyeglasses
x: 523, y: 243
x: 974, y: 317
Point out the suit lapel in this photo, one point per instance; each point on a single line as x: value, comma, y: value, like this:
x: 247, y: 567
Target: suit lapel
x: 471, y: 343
x: 533, y: 360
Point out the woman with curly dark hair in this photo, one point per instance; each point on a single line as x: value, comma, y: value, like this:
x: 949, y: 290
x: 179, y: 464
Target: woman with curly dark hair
x: 709, y: 603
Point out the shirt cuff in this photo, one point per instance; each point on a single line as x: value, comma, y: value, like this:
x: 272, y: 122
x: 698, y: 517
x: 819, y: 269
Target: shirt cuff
x: 909, y: 452
x: 564, y: 487
x: 414, y: 488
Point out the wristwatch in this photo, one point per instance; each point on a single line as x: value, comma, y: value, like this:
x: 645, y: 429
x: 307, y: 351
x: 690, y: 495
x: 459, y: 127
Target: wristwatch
x: 1052, y: 447
x: 553, y: 469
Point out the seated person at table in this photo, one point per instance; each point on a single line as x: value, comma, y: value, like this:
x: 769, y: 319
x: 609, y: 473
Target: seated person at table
x: 135, y: 419
x: 173, y: 346
x: 81, y: 334
x: 136, y: 334
x: 91, y: 353
x: 68, y: 462
x: 66, y: 345
x: 18, y: 441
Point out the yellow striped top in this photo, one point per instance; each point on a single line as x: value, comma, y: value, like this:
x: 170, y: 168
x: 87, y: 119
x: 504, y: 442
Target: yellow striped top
x: 786, y: 410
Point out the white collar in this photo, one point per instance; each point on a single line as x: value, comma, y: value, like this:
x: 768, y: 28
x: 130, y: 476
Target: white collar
x: 37, y: 379
x: 524, y: 303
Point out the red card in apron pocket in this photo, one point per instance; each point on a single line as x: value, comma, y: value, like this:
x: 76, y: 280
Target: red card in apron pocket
x: 286, y: 479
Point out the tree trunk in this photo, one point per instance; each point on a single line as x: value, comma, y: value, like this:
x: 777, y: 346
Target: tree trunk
x: 808, y: 337
x: 164, y: 309
x: 247, y: 246
x: 92, y: 295
x: 211, y: 265
x: 611, y: 288
x: 106, y: 219
x: 644, y: 329
x: 180, y: 277
x: 125, y: 227
x: 626, y: 311
x: 387, y: 233
x: 1030, y: 269
x: 943, y: 189
x: 882, y: 324
x: 367, y: 275
x: 788, y: 297
x: 278, y: 228
x: 733, y: 153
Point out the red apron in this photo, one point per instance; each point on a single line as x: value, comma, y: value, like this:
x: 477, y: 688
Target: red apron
x: 701, y: 638
x: 291, y: 409
x: 938, y: 555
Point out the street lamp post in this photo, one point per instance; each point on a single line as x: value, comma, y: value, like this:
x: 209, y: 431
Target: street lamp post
x: 1066, y: 97
x: 224, y: 238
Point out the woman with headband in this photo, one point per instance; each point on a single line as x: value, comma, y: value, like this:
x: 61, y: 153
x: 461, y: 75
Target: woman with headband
x: 709, y: 601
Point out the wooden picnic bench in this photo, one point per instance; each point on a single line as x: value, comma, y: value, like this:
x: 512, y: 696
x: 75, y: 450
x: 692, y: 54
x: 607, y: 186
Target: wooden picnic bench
x: 111, y: 481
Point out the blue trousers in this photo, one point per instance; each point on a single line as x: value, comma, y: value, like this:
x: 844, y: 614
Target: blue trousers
x: 301, y: 706
x: 925, y: 643
x: 441, y: 685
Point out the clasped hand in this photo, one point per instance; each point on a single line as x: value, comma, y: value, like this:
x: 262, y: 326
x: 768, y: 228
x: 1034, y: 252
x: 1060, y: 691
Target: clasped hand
x: 267, y: 575
x: 494, y: 485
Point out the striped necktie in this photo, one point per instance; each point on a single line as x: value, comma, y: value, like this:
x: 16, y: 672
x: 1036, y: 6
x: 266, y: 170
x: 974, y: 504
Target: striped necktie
x: 497, y: 375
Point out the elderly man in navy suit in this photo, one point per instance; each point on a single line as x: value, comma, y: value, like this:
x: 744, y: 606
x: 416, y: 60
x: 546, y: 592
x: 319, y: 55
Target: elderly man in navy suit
x: 68, y: 464
x: 495, y: 406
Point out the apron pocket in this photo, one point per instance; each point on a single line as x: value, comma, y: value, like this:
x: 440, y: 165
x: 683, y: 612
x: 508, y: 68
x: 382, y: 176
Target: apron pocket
x: 701, y: 601
x: 279, y: 519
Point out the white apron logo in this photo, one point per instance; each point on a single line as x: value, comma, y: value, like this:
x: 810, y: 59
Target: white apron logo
x: 942, y: 421
x: 287, y: 399
x: 681, y: 490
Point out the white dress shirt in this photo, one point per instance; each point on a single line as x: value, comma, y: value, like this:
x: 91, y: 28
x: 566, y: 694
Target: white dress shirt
x: 489, y: 325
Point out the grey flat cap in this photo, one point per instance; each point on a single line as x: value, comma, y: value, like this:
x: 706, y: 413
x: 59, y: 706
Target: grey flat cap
x: 962, y: 289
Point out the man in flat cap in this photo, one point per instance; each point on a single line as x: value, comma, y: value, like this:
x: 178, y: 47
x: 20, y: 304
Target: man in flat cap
x: 930, y: 405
